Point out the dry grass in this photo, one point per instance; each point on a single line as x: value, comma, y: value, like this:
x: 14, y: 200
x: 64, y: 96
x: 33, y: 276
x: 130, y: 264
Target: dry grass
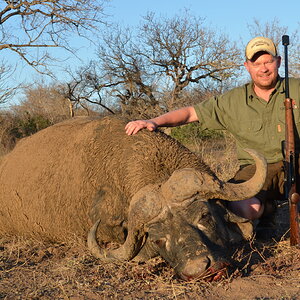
x: 30, y: 269
x: 219, y: 154
x: 33, y: 270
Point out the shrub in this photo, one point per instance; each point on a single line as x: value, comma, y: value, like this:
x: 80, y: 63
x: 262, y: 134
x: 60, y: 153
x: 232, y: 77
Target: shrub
x: 16, y: 126
x: 191, y: 132
x: 29, y: 125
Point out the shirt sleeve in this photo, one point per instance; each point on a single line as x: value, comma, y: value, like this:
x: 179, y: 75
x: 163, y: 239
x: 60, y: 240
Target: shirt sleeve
x: 211, y: 114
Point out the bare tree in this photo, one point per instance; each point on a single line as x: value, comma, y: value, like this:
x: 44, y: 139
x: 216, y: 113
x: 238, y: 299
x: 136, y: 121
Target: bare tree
x: 187, y: 52
x: 125, y: 73
x: 6, y: 90
x: 164, y: 57
x: 28, y: 25
x: 84, y: 89
x: 274, y: 30
x: 43, y: 100
x: 41, y: 106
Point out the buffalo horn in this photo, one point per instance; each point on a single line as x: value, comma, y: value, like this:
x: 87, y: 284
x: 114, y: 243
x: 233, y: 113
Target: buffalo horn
x: 188, y: 182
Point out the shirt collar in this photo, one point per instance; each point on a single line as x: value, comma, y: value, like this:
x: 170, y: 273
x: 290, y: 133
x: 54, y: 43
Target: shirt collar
x: 281, y: 85
x: 251, y: 94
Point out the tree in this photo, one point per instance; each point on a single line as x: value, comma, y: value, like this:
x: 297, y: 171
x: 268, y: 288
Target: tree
x: 6, y: 91
x: 163, y: 58
x: 188, y: 52
x: 27, y: 26
x: 41, y: 107
x: 43, y: 100
x: 84, y: 89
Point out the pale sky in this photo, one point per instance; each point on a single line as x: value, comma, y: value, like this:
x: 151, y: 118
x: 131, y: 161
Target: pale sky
x: 232, y: 16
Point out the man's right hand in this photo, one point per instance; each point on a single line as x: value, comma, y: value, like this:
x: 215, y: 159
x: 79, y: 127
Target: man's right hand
x: 135, y: 126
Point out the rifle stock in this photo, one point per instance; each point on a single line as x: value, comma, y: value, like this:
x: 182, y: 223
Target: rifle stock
x: 290, y: 158
x: 290, y: 173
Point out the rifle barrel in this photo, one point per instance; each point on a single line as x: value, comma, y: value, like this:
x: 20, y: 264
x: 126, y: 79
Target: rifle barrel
x: 285, y: 43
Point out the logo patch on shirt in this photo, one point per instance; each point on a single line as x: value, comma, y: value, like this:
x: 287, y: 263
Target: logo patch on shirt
x: 279, y: 128
x: 294, y: 104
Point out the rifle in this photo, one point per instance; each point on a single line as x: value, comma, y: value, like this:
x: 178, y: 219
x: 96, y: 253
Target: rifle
x: 289, y: 157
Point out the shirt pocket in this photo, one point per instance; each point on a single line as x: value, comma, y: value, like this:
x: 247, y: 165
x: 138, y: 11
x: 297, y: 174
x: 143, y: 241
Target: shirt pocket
x: 246, y: 129
x: 249, y: 134
x: 250, y: 127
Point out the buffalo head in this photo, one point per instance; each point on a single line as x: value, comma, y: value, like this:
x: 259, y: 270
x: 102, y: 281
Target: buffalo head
x: 185, y: 221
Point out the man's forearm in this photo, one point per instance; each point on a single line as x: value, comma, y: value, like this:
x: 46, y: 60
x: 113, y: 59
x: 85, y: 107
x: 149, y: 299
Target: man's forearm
x: 177, y: 117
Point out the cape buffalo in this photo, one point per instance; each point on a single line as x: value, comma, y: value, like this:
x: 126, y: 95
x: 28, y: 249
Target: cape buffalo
x: 147, y: 193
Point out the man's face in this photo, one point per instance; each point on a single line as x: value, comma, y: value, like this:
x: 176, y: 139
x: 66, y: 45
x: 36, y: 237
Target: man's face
x: 263, y: 69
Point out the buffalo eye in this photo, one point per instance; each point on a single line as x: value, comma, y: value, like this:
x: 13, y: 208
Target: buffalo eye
x: 161, y: 242
x: 164, y: 242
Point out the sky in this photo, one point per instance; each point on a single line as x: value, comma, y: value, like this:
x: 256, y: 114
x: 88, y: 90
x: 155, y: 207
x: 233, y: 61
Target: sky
x: 231, y: 17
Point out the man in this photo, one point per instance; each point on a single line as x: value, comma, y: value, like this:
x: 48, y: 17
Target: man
x: 254, y: 114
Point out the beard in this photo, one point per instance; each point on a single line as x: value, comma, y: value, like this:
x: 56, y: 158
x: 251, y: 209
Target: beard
x: 266, y: 82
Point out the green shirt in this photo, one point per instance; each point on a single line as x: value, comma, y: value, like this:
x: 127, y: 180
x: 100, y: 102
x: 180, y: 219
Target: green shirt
x: 254, y: 122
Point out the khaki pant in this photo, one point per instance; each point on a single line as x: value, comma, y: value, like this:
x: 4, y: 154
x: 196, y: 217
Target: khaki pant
x: 273, y: 188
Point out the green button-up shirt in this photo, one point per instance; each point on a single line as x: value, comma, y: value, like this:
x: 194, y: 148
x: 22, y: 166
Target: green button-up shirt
x: 254, y: 122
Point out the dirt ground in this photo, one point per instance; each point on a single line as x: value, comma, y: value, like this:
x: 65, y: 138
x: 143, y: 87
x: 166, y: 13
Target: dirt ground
x: 31, y: 269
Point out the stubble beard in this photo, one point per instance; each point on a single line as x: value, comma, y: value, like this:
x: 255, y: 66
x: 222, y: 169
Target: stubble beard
x: 266, y: 84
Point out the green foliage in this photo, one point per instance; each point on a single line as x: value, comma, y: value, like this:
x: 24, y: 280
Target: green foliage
x: 29, y: 125
x: 14, y: 126
x: 188, y: 133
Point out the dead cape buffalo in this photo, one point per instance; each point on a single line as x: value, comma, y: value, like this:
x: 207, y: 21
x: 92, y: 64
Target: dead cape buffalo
x: 147, y: 193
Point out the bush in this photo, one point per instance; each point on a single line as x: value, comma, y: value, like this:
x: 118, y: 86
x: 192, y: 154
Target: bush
x: 14, y: 127
x: 189, y: 133
x: 29, y: 125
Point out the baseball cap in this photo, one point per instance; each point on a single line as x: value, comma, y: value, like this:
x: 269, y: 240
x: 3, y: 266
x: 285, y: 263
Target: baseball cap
x: 260, y: 44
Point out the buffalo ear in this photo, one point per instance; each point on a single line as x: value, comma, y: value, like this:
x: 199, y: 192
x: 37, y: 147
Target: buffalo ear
x: 240, y: 228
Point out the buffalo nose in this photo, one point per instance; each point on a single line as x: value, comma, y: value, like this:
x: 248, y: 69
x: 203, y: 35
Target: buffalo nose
x: 194, y: 268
